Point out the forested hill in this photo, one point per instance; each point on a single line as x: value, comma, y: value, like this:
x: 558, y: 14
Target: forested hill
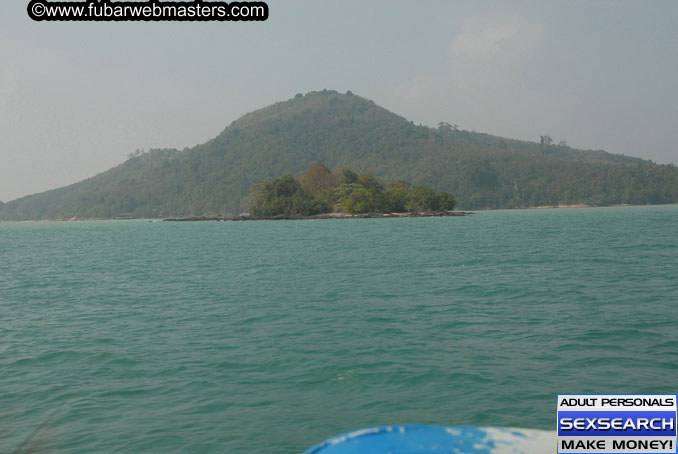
x: 481, y: 170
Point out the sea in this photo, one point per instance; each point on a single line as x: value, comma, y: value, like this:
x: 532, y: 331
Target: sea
x: 270, y: 336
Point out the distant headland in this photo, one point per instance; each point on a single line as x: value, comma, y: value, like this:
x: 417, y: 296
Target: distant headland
x: 483, y: 171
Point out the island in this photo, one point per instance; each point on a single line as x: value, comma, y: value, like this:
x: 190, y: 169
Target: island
x: 320, y: 193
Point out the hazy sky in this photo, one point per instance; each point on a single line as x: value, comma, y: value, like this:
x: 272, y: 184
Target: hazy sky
x: 76, y: 98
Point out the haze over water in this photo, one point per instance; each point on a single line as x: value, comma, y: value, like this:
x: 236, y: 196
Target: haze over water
x: 272, y: 336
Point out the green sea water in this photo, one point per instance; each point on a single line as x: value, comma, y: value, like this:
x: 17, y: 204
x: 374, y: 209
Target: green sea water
x: 268, y: 337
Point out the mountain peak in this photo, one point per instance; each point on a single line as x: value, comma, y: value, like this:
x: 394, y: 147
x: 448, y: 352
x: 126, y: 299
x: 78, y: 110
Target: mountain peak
x: 314, y: 102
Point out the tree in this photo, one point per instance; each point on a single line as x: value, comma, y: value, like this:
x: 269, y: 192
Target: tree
x: 283, y: 196
x: 369, y: 181
x: 423, y: 198
x: 545, y: 140
x: 397, y: 198
x: 368, y: 200
x: 445, y: 126
x: 446, y: 201
x: 316, y: 192
x: 316, y: 179
x: 345, y: 175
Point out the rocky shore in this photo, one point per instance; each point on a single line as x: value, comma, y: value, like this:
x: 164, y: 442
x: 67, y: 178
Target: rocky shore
x: 429, y: 214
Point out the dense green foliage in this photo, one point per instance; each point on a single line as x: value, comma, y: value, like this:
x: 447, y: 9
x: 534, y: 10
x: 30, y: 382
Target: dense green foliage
x: 283, y: 196
x: 319, y: 190
x: 481, y: 170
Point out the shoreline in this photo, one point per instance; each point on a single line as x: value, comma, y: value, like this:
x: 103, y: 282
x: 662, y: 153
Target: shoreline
x: 294, y: 217
x: 578, y: 205
x: 343, y: 215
